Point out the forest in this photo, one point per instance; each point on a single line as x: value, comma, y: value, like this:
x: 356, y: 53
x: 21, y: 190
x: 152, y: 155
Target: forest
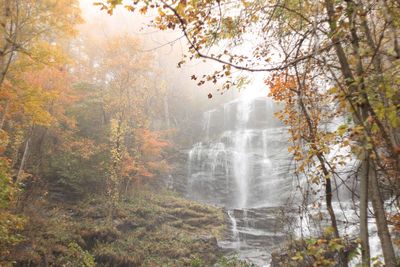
x: 227, y: 133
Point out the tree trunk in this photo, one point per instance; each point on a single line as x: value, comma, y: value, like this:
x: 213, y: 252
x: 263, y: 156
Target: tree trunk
x: 328, y: 182
x: 377, y: 202
x: 24, y: 156
x: 389, y: 21
x: 364, y: 235
x: 381, y: 222
x: 6, y: 52
x: 363, y: 190
x: 4, y: 115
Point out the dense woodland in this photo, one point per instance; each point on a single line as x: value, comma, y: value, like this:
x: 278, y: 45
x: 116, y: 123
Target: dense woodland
x: 91, y: 127
x: 83, y: 121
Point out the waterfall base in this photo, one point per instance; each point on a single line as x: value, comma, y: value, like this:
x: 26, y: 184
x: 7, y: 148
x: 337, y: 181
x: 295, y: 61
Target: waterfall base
x: 255, y: 233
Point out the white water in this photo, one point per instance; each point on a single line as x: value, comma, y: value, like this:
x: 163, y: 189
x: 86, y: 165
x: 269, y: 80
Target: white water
x: 206, y: 122
x: 243, y: 164
x: 235, y: 232
x: 242, y: 160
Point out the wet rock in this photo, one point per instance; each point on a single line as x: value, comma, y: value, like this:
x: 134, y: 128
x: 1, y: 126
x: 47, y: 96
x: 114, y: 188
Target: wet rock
x: 255, y: 233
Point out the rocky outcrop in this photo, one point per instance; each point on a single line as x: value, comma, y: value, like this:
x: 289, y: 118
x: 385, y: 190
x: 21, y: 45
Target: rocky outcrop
x: 255, y: 233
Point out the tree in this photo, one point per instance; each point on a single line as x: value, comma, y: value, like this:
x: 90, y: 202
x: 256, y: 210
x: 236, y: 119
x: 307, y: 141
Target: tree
x: 24, y: 24
x: 33, y: 35
x: 347, y: 48
x: 122, y: 82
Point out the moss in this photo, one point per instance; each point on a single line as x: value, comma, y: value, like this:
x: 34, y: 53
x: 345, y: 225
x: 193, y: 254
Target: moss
x: 150, y: 229
x: 74, y: 256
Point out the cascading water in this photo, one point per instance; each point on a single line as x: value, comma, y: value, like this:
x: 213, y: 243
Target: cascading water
x: 235, y: 232
x: 242, y: 164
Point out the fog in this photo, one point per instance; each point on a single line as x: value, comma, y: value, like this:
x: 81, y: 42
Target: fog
x: 168, y: 47
x: 235, y: 156
x: 258, y: 133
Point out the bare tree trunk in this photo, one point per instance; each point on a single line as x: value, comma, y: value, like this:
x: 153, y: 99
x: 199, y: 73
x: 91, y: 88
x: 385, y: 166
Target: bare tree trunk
x: 377, y: 202
x: 381, y: 221
x: 127, y: 187
x: 4, y: 115
x: 7, y: 50
x: 376, y: 197
x: 5, y: 13
x: 364, y: 235
x: 328, y: 182
x: 24, y: 156
x: 389, y: 21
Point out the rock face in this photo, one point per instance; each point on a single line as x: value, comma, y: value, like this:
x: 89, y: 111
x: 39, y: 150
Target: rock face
x: 242, y: 164
x: 255, y: 233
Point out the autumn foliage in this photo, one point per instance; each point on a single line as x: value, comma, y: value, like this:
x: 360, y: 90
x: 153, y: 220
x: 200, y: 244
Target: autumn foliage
x: 74, y: 112
x: 333, y: 65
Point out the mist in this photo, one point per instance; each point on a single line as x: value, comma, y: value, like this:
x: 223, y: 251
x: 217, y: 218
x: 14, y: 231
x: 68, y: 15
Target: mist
x: 199, y: 133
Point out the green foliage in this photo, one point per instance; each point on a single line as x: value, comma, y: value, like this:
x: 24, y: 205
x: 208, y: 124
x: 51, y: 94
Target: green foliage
x: 10, y: 224
x: 80, y: 175
x: 75, y: 256
x: 233, y: 261
x: 10, y: 227
x: 6, y: 187
x: 321, y: 251
x: 196, y: 262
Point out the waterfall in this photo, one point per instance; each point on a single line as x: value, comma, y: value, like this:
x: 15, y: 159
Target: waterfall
x: 241, y: 168
x: 206, y: 122
x: 242, y: 164
x: 235, y: 232
x: 242, y: 161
